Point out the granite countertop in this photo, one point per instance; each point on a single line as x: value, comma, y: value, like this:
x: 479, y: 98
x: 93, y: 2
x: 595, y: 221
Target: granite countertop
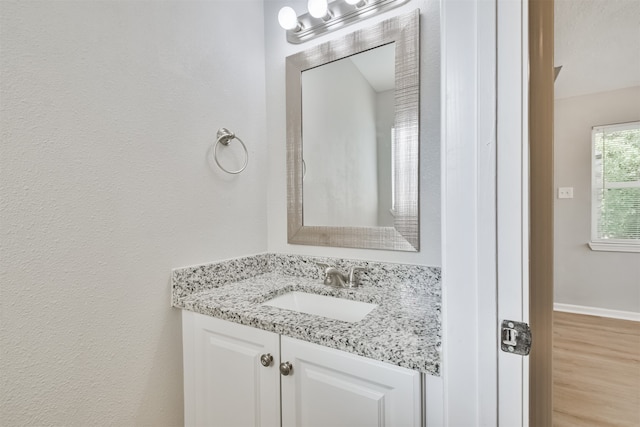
x: 403, y: 330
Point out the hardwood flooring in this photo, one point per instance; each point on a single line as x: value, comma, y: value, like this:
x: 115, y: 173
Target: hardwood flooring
x: 596, y: 371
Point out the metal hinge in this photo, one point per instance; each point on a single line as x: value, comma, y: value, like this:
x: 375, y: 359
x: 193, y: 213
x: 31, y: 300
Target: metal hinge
x: 515, y: 337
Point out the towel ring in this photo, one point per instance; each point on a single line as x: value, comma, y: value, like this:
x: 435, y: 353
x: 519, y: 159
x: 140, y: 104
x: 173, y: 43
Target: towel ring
x: 224, y: 137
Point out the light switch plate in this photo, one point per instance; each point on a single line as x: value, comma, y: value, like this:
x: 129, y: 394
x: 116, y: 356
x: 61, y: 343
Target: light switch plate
x: 565, y: 192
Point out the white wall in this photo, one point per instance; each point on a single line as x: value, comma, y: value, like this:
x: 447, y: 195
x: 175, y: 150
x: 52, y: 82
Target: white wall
x: 277, y: 49
x: 108, y: 110
x: 609, y: 280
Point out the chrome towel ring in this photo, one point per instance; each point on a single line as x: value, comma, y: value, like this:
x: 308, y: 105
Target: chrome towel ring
x: 224, y: 137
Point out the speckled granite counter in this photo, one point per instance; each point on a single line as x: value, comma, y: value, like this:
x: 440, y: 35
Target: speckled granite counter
x: 404, y: 329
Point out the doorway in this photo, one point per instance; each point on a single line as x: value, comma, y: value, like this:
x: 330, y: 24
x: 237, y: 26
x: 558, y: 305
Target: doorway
x: 596, y: 367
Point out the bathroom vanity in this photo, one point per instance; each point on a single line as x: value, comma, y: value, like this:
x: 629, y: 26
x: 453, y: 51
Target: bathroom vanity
x: 234, y: 377
x: 250, y: 363
x: 266, y: 340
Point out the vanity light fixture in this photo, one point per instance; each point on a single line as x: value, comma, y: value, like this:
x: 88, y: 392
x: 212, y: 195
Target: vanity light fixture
x: 319, y: 9
x: 323, y: 17
x: 288, y: 19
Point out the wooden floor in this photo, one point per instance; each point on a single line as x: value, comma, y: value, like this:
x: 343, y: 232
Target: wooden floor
x: 596, y: 371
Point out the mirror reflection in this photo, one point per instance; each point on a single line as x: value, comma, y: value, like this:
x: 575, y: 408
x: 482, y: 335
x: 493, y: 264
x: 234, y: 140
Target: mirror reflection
x: 347, y: 128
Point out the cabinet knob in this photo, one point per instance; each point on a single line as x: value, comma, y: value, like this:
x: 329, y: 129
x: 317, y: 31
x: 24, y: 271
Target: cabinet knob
x: 266, y: 360
x: 286, y: 368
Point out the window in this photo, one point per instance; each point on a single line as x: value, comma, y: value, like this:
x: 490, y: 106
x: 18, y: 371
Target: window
x: 615, y: 180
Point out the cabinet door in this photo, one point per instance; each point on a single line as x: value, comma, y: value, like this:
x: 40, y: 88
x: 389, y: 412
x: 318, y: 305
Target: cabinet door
x: 225, y: 382
x: 328, y: 387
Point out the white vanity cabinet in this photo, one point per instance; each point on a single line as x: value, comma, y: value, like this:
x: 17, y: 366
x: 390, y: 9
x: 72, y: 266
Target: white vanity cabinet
x: 226, y: 383
x: 333, y: 388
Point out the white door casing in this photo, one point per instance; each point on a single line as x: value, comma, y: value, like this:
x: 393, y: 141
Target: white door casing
x: 484, y: 209
x: 513, y: 202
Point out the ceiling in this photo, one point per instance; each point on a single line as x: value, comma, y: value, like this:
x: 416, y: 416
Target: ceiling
x: 597, y: 43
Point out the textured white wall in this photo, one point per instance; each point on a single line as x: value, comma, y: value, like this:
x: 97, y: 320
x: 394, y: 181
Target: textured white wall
x: 609, y: 280
x: 108, y: 110
x: 277, y: 50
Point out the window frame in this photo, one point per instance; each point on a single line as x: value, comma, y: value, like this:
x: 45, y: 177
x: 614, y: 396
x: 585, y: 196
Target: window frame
x: 596, y: 243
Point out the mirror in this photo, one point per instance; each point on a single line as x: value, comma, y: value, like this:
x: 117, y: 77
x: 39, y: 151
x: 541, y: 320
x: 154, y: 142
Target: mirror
x: 352, y: 139
x: 348, y: 181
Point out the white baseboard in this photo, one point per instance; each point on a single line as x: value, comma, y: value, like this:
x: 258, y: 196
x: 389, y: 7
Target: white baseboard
x: 595, y: 311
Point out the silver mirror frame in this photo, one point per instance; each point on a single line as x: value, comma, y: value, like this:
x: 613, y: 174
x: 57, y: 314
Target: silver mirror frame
x: 405, y: 234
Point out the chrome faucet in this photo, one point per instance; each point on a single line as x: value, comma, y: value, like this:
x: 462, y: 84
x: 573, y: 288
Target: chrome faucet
x: 334, y: 277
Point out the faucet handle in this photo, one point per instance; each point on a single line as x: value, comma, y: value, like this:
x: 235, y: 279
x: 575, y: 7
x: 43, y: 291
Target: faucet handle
x: 323, y: 266
x: 353, y: 281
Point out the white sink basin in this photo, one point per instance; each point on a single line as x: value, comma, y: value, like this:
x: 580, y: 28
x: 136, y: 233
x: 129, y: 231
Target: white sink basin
x: 320, y: 305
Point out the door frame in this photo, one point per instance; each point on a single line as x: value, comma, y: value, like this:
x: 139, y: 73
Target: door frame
x: 485, y: 219
x: 513, y: 183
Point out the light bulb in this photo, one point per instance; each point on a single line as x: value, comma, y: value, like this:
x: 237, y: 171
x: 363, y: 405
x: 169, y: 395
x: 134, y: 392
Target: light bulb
x: 356, y: 3
x: 318, y: 8
x: 353, y: 2
x: 287, y: 18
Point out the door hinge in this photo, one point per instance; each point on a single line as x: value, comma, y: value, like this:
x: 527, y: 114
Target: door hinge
x: 515, y: 337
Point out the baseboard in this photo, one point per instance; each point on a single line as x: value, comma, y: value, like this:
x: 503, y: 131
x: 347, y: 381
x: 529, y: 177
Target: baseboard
x: 595, y: 311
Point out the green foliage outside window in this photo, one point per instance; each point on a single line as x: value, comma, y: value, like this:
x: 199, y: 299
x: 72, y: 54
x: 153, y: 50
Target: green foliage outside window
x: 617, y: 175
